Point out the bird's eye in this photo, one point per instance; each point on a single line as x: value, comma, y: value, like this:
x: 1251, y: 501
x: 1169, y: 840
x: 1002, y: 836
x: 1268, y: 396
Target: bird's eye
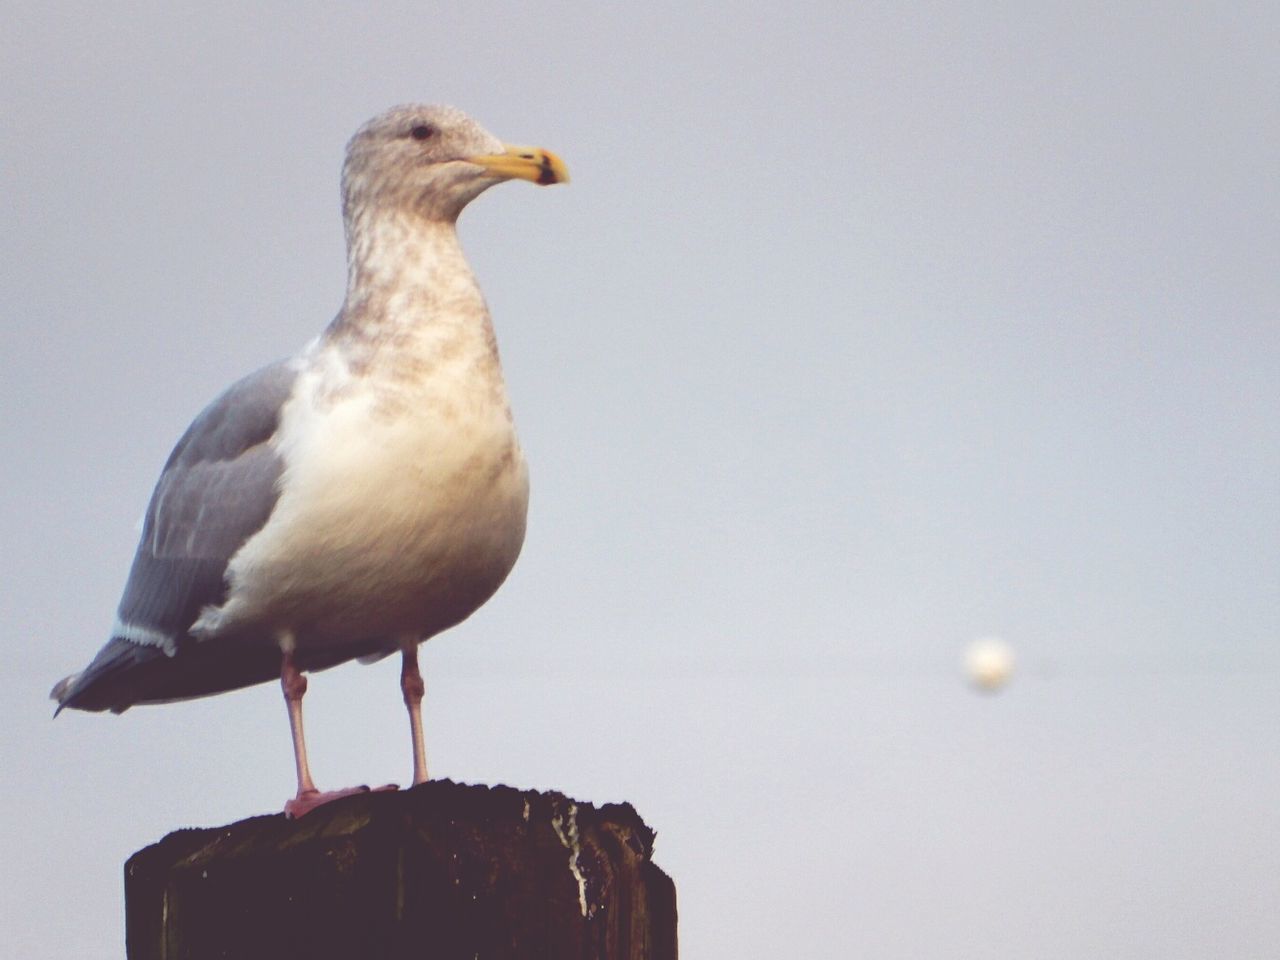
x: 422, y: 131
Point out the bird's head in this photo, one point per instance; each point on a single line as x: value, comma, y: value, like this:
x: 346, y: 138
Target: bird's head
x: 433, y: 161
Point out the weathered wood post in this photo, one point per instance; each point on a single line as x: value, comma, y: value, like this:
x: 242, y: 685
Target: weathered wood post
x: 443, y: 871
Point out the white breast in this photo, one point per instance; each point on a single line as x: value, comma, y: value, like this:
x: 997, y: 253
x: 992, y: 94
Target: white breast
x: 402, y: 507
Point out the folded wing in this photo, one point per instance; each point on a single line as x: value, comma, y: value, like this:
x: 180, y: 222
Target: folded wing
x: 216, y: 491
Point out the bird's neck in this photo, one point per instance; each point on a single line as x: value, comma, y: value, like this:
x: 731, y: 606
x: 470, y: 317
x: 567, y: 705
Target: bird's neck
x: 409, y: 289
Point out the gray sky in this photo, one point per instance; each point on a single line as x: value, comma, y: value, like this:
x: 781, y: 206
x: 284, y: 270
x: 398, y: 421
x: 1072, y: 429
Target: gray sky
x: 862, y: 331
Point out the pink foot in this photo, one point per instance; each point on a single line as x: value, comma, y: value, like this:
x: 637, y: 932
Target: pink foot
x: 308, y: 800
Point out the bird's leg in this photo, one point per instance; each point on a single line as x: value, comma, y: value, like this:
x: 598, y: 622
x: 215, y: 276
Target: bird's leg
x: 413, y: 687
x: 308, y: 798
x: 294, y: 685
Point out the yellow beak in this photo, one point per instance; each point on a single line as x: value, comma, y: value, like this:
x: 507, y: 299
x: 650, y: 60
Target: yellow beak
x: 528, y: 163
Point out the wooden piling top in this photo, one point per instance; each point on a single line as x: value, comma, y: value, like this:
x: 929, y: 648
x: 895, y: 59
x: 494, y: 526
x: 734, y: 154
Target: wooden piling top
x: 442, y: 870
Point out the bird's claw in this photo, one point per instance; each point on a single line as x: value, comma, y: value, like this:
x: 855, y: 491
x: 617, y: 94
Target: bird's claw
x: 308, y: 800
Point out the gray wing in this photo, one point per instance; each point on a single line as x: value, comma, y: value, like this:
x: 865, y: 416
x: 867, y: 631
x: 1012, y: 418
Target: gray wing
x: 217, y: 490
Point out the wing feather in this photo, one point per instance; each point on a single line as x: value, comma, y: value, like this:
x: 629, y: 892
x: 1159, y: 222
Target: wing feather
x: 216, y: 491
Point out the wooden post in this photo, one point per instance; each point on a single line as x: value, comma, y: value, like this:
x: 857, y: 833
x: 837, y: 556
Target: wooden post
x: 443, y: 871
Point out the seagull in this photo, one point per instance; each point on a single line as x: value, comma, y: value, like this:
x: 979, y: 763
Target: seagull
x: 355, y: 499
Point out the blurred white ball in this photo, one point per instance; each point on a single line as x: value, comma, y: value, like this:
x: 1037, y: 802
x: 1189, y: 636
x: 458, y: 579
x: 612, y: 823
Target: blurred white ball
x: 988, y: 663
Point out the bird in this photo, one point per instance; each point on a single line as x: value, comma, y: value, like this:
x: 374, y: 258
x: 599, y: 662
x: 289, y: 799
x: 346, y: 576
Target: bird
x: 357, y: 498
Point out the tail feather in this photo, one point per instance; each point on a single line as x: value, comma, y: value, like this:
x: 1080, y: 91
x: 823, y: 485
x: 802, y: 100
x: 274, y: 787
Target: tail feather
x: 118, y: 677
x: 62, y: 689
x: 125, y: 673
